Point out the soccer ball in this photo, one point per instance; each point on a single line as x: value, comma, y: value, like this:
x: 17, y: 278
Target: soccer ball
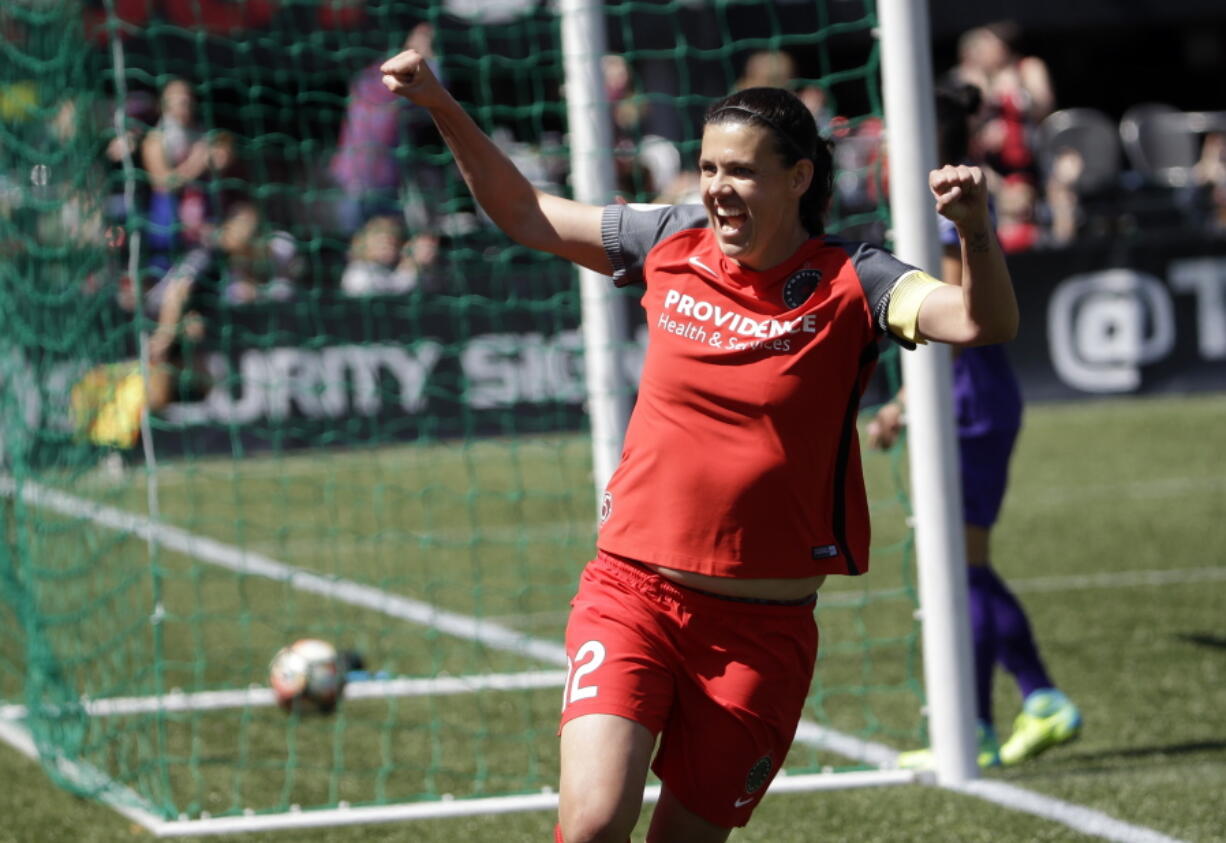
x: 307, y: 676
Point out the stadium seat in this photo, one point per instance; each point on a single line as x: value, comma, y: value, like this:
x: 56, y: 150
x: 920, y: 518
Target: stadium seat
x: 1160, y: 144
x: 1092, y: 134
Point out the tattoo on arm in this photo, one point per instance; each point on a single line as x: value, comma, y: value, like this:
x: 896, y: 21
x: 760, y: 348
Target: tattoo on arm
x: 978, y: 242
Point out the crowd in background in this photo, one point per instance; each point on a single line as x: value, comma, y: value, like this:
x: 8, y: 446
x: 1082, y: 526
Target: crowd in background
x: 203, y: 213
x: 1055, y: 176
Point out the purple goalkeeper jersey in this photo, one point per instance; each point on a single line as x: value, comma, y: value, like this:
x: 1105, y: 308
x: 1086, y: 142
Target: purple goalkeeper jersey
x: 987, y: 398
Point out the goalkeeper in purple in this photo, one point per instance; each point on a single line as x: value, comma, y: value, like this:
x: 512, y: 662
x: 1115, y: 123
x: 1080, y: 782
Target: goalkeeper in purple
x: 988, y: 411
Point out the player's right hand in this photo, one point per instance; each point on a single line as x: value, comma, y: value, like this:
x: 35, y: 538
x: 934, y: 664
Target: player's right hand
x: 408, y: 75
x: 961, y: 193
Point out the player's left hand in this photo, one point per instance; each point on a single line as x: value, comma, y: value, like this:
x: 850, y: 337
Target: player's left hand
x: 886, y: 425
x: 961, y: 192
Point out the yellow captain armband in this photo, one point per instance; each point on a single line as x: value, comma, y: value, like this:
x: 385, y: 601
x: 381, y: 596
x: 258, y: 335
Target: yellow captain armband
x: 908, y: 294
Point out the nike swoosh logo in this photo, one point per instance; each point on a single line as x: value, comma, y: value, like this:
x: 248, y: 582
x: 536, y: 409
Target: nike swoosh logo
x: 696, y: 262
x: 741, y: 803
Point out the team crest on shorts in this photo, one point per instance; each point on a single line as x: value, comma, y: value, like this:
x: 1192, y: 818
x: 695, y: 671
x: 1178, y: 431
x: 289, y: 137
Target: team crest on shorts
x: 798, y: 288
x: 758, y: 774
x: 606, y: 506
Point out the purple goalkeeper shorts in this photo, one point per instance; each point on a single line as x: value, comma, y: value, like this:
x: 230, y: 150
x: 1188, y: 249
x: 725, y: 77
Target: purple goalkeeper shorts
x: 985, y: 473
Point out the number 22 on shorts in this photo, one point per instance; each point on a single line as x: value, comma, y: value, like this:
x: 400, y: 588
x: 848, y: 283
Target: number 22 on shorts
x: 588, y: 657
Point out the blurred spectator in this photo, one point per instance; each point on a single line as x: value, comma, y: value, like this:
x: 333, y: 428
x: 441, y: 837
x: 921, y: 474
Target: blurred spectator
x: 383, y: 262
x: 685, y: 189
x: 645, y: 163
x: 1017, y: 226
x: 1061, y: 196
x: 256, y: 265
x: 861, y: 179
x: 817, y: 99
x: 1017, y: 95
x: 1210, y: 173
x: 243, y: 261
x: 65, y: 124
x: 365, y: 164
x: 423, y: 255
x: 109, y: 400
x: 767, y: 69
x: 777, y: 69
x: 177, y: 157
x: 18, y: 101
x: 71, y: 133
x: 139, y: 110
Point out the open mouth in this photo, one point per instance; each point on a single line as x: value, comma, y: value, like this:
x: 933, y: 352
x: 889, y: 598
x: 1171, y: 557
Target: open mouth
x: 730, y: 221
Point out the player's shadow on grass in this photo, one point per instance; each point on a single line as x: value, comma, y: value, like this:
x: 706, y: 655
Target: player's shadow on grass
x: 1070, y: 761
x: 1216, y: 642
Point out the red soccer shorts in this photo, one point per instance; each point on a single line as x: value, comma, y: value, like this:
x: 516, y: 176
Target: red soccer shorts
x: 722, y: 681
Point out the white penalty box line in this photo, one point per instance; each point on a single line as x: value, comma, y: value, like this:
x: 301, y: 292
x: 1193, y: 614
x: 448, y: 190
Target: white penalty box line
x: 490, y: 634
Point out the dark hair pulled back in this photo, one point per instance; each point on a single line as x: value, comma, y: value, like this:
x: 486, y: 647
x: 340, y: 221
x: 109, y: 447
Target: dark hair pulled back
x: 796, y: 137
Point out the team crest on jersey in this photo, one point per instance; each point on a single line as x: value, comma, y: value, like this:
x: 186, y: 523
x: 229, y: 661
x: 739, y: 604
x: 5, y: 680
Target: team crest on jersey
x: 798, y: 288
x: 758, y: 774
x: 606, y: 506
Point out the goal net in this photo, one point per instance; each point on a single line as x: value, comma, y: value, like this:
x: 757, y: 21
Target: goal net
x: 267, y: 373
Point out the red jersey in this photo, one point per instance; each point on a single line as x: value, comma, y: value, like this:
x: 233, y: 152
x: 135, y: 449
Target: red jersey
x: 742, y: 458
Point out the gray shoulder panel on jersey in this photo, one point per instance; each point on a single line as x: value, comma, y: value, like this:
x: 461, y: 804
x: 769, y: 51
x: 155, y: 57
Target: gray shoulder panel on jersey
x: 878, y: 271
x: 629, y: 232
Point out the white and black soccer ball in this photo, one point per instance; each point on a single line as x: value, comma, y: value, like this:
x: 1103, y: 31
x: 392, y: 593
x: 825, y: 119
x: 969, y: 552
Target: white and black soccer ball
x: 307, y: 676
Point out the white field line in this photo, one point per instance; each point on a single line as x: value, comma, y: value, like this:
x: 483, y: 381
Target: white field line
x: 848, y: 746
x: 124, y: 800
x: 1076, y: 817
x: 503, y: 638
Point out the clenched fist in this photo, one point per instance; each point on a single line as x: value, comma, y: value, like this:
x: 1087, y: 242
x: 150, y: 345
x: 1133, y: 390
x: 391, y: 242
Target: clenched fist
x: 408, y: 75
x: 961, y: 192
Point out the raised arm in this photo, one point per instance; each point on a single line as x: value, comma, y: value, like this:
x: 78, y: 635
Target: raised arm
x: 527, y: 215
x: 982, y: 309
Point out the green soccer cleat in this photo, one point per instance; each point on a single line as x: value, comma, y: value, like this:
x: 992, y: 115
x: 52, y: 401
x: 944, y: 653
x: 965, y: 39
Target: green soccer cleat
x: 1048, y: 719
x: 923, y: 759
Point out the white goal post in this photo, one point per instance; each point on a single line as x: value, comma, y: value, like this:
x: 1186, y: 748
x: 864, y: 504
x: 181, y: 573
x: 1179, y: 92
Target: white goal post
x: 936, y: 498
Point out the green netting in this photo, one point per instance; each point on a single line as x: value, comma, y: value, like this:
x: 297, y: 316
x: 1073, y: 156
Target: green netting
x: 384, y: 471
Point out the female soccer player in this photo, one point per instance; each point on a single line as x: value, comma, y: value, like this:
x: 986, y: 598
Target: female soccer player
x: 740, y: 486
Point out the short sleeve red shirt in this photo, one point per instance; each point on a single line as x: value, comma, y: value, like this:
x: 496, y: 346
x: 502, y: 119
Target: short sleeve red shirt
x: 741, y: 458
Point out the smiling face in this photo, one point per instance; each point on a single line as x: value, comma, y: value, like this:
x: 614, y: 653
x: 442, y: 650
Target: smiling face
x: 752, y: 196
